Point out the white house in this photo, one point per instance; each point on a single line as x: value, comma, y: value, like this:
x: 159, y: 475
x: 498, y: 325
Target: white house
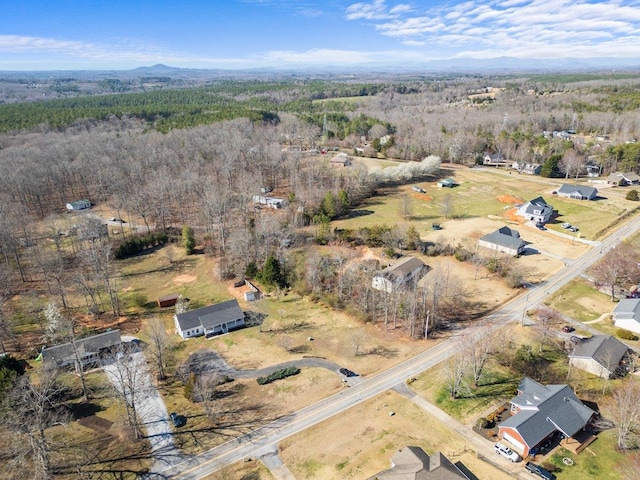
x: 536, y: 210
x: 211, y: 320
x: 399, y: 275
x: 79, y: 205
x: 626, y: 315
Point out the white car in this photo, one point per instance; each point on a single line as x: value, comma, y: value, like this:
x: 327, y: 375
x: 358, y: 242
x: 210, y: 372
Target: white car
x: 505, y: 451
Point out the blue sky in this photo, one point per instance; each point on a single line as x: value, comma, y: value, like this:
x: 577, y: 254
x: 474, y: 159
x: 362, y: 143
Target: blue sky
x: 239, y: 34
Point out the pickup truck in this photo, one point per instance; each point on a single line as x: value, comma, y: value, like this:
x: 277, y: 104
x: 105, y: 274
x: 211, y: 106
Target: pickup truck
x: 539, y: 471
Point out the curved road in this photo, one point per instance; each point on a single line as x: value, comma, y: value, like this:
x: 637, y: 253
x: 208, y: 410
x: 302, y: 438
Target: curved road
x: 266, y: 438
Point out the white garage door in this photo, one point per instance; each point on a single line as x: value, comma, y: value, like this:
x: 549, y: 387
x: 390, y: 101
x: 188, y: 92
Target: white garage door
x: 517, y: 445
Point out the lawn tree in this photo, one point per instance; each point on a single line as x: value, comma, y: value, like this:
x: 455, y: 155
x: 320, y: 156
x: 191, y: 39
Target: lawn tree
x: 547, y: 318
x: 286, y: 343
x: 446, y: 207
x: 478, y: 354
x: 99, y: 257
x: 188, y: 240
x: 572, y: 162
x: 619, y: 267
x: 454, y: 369
x: 159, y: 345
x: 128, y: 373
x: 406, y: 206
x: 182, y: 305
x: 624, y: 412
x: 62, y: 328
x: 29, y: 410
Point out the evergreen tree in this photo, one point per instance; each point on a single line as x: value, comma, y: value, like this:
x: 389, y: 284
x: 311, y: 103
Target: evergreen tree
x: 188, y: 240
x: 272, y: 272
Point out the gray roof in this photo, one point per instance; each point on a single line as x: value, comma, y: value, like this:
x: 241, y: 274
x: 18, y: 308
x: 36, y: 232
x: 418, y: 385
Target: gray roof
x: 607, y: 350
x: 88, y: 346
x: 628, y: 176
x: 413, y: 463
x: 505, y: 237
x: 582, y: 190
x: 211, y: 316
x: 627, y: 308
x: 546, y: 409
x: 403, y: 268
x: 537, y: 203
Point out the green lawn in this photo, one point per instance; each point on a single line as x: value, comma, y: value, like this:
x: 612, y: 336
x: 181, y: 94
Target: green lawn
x: 600, y: 460
x: 580, y: 300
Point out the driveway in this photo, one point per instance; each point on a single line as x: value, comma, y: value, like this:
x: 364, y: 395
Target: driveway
x: 151, y: 411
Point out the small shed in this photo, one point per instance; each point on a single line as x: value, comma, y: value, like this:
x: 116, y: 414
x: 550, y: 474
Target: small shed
x: 168, y: 300
x: 79, y: 205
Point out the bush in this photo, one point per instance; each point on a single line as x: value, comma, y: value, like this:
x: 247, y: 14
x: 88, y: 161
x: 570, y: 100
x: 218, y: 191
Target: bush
x: 139, y: 244
x: 626, y: 334
x: 551, y: 467
x: 632, y: 195
x: 278, y: 375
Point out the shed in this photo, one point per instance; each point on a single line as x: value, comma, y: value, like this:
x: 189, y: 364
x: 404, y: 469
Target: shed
x: 79, y: 205
x: 168, y: 300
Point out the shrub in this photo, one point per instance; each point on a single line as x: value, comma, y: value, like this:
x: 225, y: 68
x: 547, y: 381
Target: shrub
x: 278, y: 375
x: 189, y: 387
x: 625, y: 334
x: 632, y: 195
x: 551, y: 467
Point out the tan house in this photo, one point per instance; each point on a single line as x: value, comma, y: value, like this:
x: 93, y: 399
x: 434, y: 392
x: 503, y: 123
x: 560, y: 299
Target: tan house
x: 398, y: 276
x: 413, y: 463
x: 601, y: 355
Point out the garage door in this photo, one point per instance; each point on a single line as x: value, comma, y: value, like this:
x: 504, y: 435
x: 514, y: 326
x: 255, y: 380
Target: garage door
x: 518, y: 446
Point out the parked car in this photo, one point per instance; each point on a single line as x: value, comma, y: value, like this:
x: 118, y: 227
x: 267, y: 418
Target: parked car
x: 568, y: 329
x: 539, y: 471
x: 502, y: 449
x: 566, y: 225
x: 575, y: 339
x: 178, y: 420
x: 540, y: 226
x: 573, y: 228
x: 436, y: 226
x: 418, y: 189
x: 348, y: 373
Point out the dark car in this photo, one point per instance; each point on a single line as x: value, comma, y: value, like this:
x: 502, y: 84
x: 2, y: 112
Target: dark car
x: 568, y: 329
x: 178, y: 420
x: 348, y: 373
x: 540, y: 226
x: 539, y: 471
x: 436, y: 226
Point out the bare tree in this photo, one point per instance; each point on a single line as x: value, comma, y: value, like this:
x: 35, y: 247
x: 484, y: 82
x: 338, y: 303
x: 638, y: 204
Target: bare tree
x: 127, y: 371
x: 571, y: 162
x: 478, y: 355
x: 159, y: 345
x: 406, y: 206
x: 454, y: 370
x: 547, y: 317
x: 625, y: 414
x: 616, y: 269
x: 63, y: 328
x: 31, y: 409
x: 446, y: 206
x: 286, y: 342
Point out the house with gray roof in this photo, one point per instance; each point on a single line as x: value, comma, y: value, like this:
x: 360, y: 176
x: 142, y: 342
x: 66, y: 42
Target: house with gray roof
x: 211, y: 320
x: 540, y: 412
x: 504, y: 240
x: 601, y: 355
x: 577, y: 192
x: 536, y: 210
x: 626, y: 315
x: 398, y: 276
x: 621, y: 179
x: 413, y: 463
x: 89, y: 350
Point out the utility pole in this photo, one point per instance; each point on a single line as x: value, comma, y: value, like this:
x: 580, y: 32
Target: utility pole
x: 524, y: 308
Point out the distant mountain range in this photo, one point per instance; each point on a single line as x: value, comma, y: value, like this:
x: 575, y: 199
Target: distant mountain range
x: 500, y: 65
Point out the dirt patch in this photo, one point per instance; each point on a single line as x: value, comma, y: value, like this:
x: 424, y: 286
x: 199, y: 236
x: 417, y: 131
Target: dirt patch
x: 185, y: 278
x: 423, y: 196
x: 96, y: 423
x: 510, y: 199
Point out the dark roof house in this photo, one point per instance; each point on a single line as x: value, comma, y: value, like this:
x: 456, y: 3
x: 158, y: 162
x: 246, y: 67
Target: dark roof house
x: 601, y: 355
x: 541, y: 411
x: 211, y: 320
x: 413, y: 463
x: 537, y: 210
x: 621, y: 179
x: 89, y: 349
x: 504, y: 240
x: 577, y: 192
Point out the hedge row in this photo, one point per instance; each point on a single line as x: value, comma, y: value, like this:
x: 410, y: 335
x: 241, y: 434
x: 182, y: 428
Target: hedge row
x: 278, y: 375
x: 139, y: 244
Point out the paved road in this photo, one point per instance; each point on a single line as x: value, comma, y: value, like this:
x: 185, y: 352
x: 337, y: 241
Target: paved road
x: 263, y: 440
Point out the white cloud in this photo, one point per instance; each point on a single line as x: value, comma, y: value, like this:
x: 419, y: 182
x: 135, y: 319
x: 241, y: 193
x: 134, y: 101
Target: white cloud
x: 509, y: 27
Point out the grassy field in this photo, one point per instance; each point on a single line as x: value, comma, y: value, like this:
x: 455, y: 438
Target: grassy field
x: 580, y: 300
x: 361, y: 441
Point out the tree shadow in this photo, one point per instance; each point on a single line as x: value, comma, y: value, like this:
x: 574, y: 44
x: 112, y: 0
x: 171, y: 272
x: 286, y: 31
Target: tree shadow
x: 300, y: 349
x: 84, y: 410
x: 295, y: 327
x: 381, y: 351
